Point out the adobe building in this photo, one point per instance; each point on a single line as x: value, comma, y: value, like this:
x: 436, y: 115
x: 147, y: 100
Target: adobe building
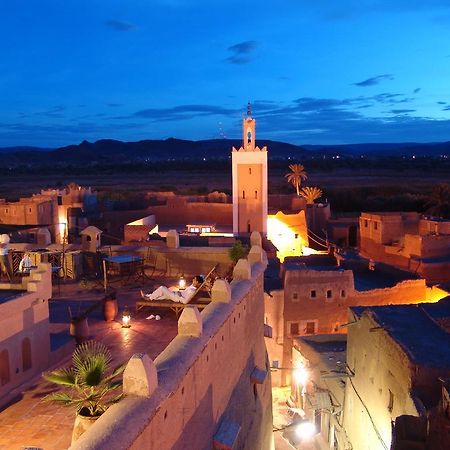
x: 24, y: 330
x: 314, y: 294
x: 396, y: 356
x: 409, y: 241
x: 249, y: 172
x: 61, y: 210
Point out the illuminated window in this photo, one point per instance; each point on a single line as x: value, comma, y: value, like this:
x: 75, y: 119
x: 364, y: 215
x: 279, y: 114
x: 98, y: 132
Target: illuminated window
x: 6, y: 211
x: 391, y: 401
x: 313, y: 294
x: 329, y: 293
x: 294, y: 296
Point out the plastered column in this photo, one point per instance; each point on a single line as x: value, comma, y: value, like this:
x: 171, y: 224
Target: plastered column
x: 255, y: 239
x: 140, y: 376
x: 190, y: 322
x: 257, y: 255
x: 221, y: 291
x: 242, y: 270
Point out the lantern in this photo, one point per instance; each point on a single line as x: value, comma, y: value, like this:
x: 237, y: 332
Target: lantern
x: 182, y: 283
x: 126, y: 318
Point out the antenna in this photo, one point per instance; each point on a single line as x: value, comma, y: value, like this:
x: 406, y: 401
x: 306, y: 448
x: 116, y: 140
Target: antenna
x: 249, y: 110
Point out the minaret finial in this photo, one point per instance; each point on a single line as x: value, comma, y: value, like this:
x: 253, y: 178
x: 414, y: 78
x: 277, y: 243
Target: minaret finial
x: 249, y: 110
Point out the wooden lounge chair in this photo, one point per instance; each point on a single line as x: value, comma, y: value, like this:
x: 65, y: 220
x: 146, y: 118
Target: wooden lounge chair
x: 199, y: 302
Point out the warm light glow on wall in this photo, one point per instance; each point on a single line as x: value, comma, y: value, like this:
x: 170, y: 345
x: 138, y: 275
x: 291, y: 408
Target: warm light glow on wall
x: 62, y: 224
x: 284, y: 238
x: 435, y: 293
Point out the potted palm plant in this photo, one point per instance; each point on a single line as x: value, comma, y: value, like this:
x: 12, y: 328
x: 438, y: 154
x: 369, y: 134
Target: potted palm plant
x: 89, y: 385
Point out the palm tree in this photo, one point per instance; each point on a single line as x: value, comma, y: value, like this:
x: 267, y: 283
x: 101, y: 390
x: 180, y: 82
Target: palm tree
x: 439, y: 201
x: 310, y: 194
x: 296, y: 176
x: 89, y: 384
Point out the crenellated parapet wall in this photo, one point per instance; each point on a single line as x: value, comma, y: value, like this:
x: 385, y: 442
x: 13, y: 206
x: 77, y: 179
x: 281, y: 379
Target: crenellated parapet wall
x: 210, y: 388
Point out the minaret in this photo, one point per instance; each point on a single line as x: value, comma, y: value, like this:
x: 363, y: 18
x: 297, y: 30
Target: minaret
x: 249, y: 182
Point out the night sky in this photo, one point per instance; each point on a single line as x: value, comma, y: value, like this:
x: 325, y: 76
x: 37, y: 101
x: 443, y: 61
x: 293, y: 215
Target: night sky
x: 316, y: 71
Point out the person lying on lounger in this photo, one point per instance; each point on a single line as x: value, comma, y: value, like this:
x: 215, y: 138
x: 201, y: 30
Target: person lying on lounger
x: 164, y: 293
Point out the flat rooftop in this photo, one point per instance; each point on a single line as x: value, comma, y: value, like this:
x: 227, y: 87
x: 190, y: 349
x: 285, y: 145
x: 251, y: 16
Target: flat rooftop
x: 29, y: 422
x: 366, y: 280
x: 413, y: 328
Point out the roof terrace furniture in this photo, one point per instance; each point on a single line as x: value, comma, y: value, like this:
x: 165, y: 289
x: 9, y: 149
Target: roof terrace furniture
x: 199, y: 302
x: 128, y: 267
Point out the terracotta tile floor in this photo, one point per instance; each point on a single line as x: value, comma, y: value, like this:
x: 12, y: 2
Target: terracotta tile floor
x: 31, y: 422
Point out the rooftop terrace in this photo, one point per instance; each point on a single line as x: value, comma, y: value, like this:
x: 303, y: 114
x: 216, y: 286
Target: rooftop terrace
x: 27, y: 421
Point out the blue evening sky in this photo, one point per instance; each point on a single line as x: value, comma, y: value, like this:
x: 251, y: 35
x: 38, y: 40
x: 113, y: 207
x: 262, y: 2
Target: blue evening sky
x: 316, y: 71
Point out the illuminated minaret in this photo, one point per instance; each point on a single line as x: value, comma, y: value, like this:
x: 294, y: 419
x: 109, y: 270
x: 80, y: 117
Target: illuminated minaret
x: 249, y: 182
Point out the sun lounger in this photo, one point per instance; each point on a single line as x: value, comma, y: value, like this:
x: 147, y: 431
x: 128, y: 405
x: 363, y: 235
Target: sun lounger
x: 199, y: 302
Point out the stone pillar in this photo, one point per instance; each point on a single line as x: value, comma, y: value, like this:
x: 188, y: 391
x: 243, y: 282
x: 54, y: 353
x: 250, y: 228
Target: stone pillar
x: 140, y: 377
x: 257, y: 255
x: 172, y: 239
x: 242, y: 270
x: 190, y: 322
x: 255, y: 239
x: 221, y: 291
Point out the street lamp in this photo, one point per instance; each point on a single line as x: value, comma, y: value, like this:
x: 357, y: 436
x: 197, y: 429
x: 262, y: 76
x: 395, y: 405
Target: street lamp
x: 301, y: 375
x: 305, y: 430
x: 298, y: 431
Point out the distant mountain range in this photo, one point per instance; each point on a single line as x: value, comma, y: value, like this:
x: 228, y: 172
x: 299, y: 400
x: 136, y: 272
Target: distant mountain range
x: 112, y: 151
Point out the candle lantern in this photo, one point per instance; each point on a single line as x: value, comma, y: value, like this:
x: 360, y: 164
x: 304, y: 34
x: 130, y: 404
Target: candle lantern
x: 126, y: 318
x: 182, y: 283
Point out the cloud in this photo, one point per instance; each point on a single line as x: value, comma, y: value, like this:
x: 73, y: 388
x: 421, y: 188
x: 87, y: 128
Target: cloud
x: 56, y: 112
x: 183, y: 112
x: 241, y: 53
x: 120, y: 25
x: 417, y: 90
x: 329, y: 120
x: 441, y: 103
x: 402, y: 111
x: 374, y: 80
x: 114, y: 105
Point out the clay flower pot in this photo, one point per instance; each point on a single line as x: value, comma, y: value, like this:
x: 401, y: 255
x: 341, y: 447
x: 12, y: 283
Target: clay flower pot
x: 110, y: 308
x: 79, y: 329
x: 82, y: 424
